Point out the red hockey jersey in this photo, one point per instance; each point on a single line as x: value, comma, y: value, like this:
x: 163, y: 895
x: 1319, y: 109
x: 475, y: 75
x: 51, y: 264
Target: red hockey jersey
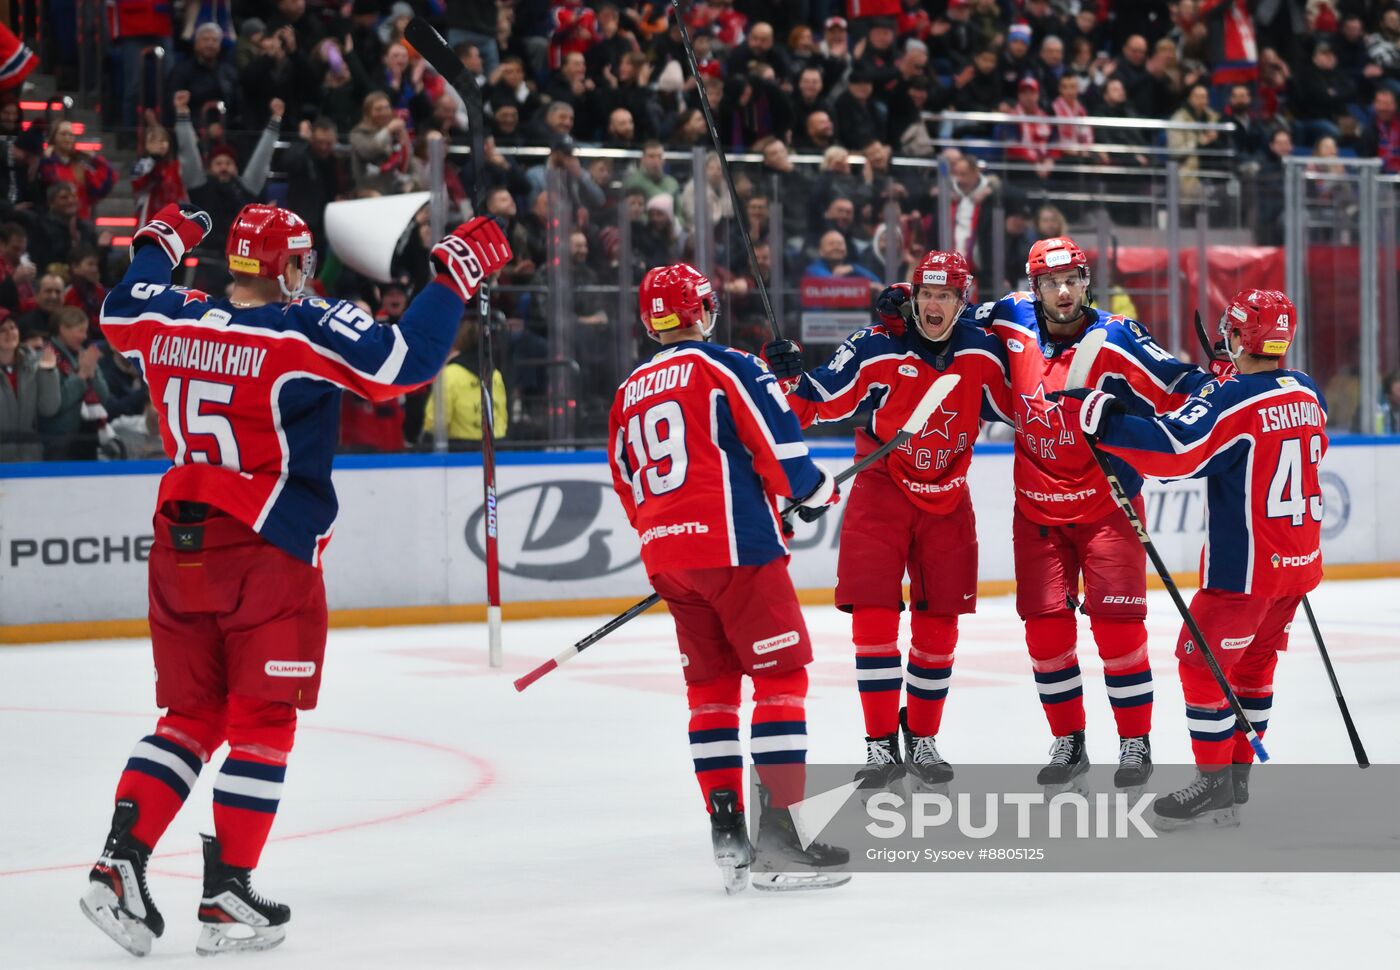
x: 1257, y: 440
x: 1057, y: 479
x: 889, y: 374
x: 702, y: 440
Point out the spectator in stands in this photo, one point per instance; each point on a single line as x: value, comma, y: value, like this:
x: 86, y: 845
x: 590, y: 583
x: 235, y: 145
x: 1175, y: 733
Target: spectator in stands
x: 89, y: 173
x: 717, y: 201
x: 759, y: 47
x: 461, y: 390
x: 474, y: 22
x: 402, y: 79
x: 505, y: 125
x: 971, y: 192
x: 835, y: 49
x: 57, y: 231
x: 71, y: 431
x: 977, y: 87
x: 690, y: 131
x: 572, y: 86
x: 379, y: 148
x: 249, y: 45
x: 1050, y: 222
x: 1114, y: 104
x: 1249, y: 136
x: 556, y: 122
x: 808, y: 97
x: 1269, y: 225
x: 280, y: 73
x: 133, y: 26
x: 1032, y: 138
x: 657, y: 242
x: 1352, y: 57
x: 16, y: 269
x: 650, y: 174
x: 792, y: 184
x: 85, y: 290
x: 317, y: 175
x: 880, y: 181
x: 757, y: 213
x: 1068, y: 105
x: 1390, y: 403
x: 834, y: 180
x: 818, y: 134
x: 219, y: 189
x: 207, y: 77
x: 156, y: 181
x: 127, y: 393
x: 621, y: 132
x: 306, y: 29
x: 629, y: 88
x: 875, y: 55
x: 342, y: 86
x: 1130, y: 68
x: 500, y: 203
x: 954, y: 39
x: 1014, y: 62
x: 859, y: 118
x: 1319, y: 94
x: 915, y: 138
x: 582, y: 190
x: 1381, y: 138
x: 604, y: 57
x: 48, y: 300
x: 29, y: 390
x: 1383, y: 49
x: 1186, y: 144
x: 831, y: 261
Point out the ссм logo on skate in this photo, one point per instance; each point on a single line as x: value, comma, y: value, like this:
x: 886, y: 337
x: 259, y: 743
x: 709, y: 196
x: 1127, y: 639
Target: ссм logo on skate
x: 787, y: 639
x: 290, y: 668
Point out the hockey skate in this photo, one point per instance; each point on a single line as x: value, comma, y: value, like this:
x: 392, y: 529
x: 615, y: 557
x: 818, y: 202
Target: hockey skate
x: 236, y: 919
x: 780, y: 845
x: 1239, y: 777
x: 733, y: 853
x: 117, y: 900
x: 925, y: 767
x: 1209, y: 800
x: 1134, y: 764
x: 884, y: 766
x: 1069, y: 762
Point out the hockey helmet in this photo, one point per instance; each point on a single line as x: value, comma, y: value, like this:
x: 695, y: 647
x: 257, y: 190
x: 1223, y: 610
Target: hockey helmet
x: 673, y: 298
x: 1266, y: 321
x: 1059, y: 252
x: 264, y: 240
x: 938, y: 268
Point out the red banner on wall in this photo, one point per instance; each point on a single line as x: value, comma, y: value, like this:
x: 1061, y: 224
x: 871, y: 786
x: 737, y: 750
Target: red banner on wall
x: 835, y: 293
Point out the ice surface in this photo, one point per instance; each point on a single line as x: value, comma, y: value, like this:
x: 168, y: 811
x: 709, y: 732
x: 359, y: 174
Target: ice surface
x: 432, y: 817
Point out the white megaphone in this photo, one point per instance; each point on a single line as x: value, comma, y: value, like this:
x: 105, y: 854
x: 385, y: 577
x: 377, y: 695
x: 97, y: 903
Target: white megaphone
x: 365, y: 233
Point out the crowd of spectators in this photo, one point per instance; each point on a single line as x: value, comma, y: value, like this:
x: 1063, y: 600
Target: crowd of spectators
x: 354, y: 110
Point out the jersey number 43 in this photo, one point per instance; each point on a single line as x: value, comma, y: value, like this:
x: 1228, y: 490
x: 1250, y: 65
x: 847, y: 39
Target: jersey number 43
x: 1287, y: 496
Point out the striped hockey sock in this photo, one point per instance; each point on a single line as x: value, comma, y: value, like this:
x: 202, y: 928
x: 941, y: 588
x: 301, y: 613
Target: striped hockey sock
x: 875, y: 631
x: 1212, y: 735
x: 930, y: 669
x: 1127, y: 674
x: 714, y: 736
x: 1051, y: 641
x: 1257, y: 706
x: 158, y: 778
x: 778, y: 735
x: 247, y: 792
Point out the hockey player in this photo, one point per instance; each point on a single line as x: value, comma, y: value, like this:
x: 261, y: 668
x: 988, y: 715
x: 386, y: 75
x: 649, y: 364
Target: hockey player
x: 248, y: 389
x: 912, y: 512
x: 702, y: 441
x: 1066, y: 523
x: 1256, y: 437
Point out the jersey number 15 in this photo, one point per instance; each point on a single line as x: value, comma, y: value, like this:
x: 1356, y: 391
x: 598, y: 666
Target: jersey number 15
x: 184, y: 402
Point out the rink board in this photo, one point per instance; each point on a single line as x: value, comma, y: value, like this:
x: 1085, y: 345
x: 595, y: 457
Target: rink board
x: 74, y: 537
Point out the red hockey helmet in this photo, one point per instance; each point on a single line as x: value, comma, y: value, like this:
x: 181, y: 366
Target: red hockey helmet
x: 672, y: 298
x: 1049, y: 255
x: 1265, y: 320
x: 938, y: 268
x: 263, y: 241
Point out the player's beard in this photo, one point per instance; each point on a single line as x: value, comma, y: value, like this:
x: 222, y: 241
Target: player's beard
x: 1056, y: 315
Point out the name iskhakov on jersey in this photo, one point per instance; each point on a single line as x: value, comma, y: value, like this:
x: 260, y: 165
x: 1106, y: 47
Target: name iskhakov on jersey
x: 210, y: 356
x: 654, y: 382
x: 1281, y: 417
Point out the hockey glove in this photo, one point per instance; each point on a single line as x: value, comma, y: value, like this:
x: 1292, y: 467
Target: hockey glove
x: 821, y: 498
x: 895, y: 308
x: 784, y: 359
x: 469, y: 254
x: 1088, y: 408
x: 177, y: 229
x: 1222, y: 370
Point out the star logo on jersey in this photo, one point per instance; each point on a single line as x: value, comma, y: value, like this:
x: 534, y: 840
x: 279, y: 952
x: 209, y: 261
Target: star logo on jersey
x: 936, y: 426
x: 191, y: 295
x: 1038, y: 408
x: 1021, y: 296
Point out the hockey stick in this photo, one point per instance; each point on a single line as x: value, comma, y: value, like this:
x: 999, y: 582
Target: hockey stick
x: 932, y: 398
x: 1076, y: 378
x: 1213, y: 352
x: 728, y: 178
x: 429, y: 43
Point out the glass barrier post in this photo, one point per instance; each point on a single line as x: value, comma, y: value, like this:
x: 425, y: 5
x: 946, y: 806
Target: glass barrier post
x: 945, y: 206
x: 561, y: 317
x: 628, y: 318
x: 1103, y: 277
x: 437, y: 227
x: 702, y: 230
x: 998, y: 267
x: 1390, y: 300
x: 1173, y: 275
x: 894, y: 243
x: 1203, y: 261
x: 1295, y: 242
x: 1369, y: 363
x: 777, y: 256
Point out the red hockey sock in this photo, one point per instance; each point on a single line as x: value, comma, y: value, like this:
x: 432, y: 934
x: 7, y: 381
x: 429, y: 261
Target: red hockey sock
x: 714, y: 736
x: 249, y: 786
x: 934, y: 638
x: 1126, y: 673
x: 1208, y: 717
x: 165, y: 765
x: 778, y: 735
x: 1050, y: 638
x: 875, y: 630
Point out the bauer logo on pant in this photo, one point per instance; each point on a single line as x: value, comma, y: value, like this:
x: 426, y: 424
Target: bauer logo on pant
x: 290, y: 668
